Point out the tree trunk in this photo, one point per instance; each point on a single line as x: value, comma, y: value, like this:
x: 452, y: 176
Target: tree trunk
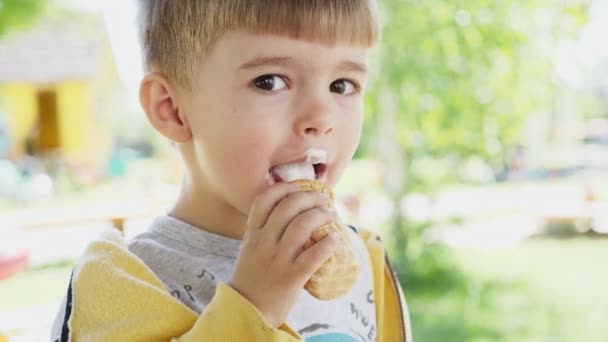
x: 393, y: 159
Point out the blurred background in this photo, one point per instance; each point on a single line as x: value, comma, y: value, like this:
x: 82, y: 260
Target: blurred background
x: 483, y: 163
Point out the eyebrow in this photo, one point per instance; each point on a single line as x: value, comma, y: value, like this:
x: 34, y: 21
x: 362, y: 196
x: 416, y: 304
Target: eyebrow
x: 266, y: 61
x: 352, y: 66
x: 262, y: 61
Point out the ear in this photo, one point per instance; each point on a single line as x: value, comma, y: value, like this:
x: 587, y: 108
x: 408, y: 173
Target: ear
x: 158, y: 99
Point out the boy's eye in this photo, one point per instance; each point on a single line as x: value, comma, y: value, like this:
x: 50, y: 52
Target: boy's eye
x: 270, y: 83
x: 344, y: 87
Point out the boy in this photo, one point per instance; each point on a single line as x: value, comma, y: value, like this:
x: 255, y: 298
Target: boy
x: 243, y: 88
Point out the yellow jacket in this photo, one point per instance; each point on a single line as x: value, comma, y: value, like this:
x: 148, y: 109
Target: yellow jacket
x: 113, y: 296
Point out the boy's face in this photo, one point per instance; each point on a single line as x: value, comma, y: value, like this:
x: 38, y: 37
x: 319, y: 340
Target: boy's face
x: 260, y: 101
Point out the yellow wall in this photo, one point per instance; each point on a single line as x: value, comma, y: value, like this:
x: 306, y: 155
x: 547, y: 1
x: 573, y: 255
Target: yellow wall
x: 19, y: 100
x: 79, y: 132
x: 75, y: 108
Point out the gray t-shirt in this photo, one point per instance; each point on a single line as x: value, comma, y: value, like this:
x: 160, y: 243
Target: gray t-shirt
x: 191, y: 261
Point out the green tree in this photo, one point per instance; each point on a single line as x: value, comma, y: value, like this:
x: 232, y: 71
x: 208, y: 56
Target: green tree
x: 18, y: 14
x: 452, y: 80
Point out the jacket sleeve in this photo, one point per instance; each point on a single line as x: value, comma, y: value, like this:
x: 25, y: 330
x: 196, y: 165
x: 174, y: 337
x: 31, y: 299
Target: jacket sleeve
x: 113, y: 296
x: 392, y: 314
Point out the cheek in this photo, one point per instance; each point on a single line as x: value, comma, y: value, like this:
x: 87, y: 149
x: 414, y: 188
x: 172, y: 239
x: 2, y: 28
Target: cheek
x: 237, y: 130
x: 247, y: 149
x: 348, y: 143
x: 353, y: 129
x: 254, y: 150
x: 252, y: 133
x: 245, y: 167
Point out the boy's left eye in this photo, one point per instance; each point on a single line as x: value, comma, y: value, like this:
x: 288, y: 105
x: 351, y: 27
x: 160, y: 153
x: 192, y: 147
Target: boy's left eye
x: 344, y: 87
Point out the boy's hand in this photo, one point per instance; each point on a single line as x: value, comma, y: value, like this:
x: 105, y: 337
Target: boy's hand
x: 272, y: 268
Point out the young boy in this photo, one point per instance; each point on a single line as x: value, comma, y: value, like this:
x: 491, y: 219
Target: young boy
x: 243, y: 88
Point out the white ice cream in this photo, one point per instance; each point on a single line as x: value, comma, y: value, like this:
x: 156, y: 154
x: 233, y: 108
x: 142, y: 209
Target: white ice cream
x: 292, y: 172
x: 306, y: 170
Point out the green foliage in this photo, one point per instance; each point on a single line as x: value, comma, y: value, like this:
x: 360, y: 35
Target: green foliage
x: 24, y: 289
x: 18, y: 14
x: 464, y: 75
x: 541, y: 290
x: 457, y: 79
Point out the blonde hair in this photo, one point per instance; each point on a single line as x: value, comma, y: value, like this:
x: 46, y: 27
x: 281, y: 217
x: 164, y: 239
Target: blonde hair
x: 176, y: 33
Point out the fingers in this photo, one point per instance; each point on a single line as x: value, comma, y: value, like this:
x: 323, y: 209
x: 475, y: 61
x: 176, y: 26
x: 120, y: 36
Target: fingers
x: 300, y: 228
x: 291, y: 207
x: 312, y: 258
x: 265, y: 203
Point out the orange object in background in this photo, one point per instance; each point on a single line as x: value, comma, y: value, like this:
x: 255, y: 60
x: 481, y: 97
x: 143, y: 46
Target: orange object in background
x: 14, y: 251
x: 13, y: 263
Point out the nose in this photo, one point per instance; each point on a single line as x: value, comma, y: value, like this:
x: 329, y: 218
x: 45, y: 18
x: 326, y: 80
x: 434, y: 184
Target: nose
x: 315, y: 121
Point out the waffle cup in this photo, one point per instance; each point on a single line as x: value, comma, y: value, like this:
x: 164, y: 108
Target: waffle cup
x: 339, y: 273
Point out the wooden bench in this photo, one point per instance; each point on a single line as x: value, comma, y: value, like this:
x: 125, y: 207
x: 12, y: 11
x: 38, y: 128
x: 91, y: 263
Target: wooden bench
x: 580, y: 216
x: 116, y: 214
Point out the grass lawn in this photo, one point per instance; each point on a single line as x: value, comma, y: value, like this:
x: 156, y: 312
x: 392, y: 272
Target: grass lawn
x: 540, y: 290
x: 35, y: 287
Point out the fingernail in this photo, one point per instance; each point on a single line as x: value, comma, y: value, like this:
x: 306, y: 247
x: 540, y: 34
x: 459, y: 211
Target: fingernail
x: 335, y: 235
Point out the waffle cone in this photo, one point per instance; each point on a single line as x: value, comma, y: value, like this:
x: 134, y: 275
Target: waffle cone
x: 339, y: 273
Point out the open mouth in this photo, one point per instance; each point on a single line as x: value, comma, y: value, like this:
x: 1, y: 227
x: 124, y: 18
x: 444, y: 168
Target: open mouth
x: 292, y: 172
x: 320, y: 170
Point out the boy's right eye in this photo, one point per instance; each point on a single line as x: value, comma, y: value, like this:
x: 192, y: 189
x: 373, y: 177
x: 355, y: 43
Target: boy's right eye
x: 270, y: 83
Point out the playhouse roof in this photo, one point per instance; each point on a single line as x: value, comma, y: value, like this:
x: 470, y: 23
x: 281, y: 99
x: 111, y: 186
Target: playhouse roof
x: 52, y: 53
